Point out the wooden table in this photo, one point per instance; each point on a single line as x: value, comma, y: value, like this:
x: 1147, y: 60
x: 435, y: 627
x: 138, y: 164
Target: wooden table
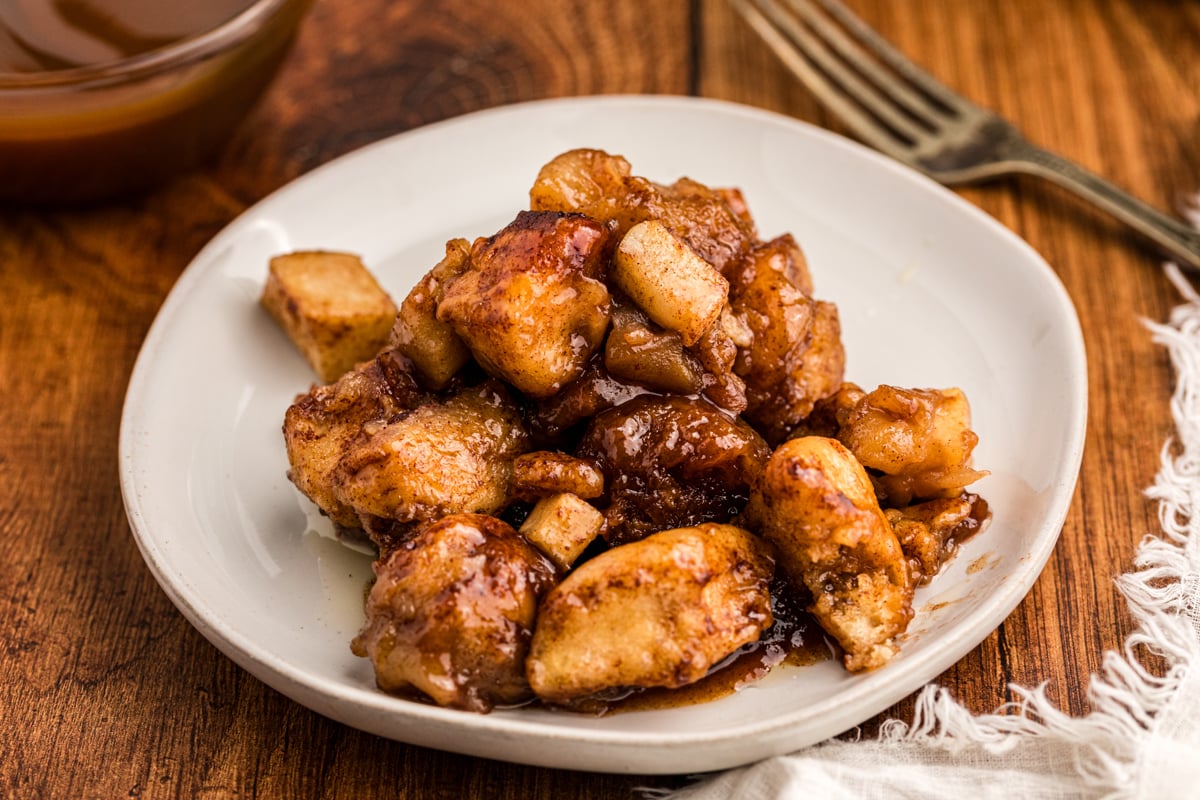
x: 105, y: 690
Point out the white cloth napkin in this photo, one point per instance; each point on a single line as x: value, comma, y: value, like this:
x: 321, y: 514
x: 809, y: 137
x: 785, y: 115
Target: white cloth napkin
x: 1142, y: 739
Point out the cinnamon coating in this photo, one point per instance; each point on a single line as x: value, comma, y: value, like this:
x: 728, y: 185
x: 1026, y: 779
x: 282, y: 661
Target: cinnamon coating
x: 451, y: 613
x: 658, y: 612
x: 531, y: 307
x: 815, y: 503
x: 655, y: 397
x: 670, y: 462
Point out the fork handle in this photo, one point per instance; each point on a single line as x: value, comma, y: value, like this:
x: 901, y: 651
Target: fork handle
x: 1179, y: 241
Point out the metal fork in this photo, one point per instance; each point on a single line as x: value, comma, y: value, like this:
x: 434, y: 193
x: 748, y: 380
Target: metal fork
x: 898, y: 108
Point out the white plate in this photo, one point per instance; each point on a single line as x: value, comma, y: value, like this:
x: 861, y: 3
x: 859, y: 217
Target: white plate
x: 932, y: 292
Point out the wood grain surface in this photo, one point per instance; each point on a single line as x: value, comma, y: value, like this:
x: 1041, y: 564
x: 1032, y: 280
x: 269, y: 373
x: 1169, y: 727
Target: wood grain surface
x: 107, y: 692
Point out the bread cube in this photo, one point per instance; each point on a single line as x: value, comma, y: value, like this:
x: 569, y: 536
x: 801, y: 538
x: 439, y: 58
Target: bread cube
x: 432, y: 345
x: 675, y: 287
x: 331, y: 307
x: 562, y: 526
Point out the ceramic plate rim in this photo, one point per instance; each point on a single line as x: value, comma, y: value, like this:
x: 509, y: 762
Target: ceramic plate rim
x: 312, y: 690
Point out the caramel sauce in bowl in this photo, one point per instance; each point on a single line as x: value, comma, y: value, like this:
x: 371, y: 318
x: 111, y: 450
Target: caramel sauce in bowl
x: 101, y: 98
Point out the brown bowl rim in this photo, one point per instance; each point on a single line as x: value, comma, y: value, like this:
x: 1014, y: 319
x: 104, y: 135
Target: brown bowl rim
x: 234, y: 31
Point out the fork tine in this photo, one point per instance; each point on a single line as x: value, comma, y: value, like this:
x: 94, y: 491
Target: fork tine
x: 872, y: 115
x: 896, y: 60
x: 782, y: 46
x: 866, y: 62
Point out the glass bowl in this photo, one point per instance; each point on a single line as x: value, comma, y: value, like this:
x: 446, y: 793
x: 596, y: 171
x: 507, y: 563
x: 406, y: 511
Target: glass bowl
x: 89, y: 133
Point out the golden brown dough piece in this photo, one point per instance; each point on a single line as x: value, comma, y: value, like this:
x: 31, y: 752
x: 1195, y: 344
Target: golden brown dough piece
x: 641, y: 352
x: 713, y: 222
x: 795, y: 357
x: 919, y: 440
x: 589, y: 182
x: 930, y: 532
x: 533, y: 308
x: 658, y: 612
x: 442, y: 457
x: 320, y: 426
x: 451, y: 613
x: 431, y: 344
x: 816, y: 504
x: 669, y: 462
